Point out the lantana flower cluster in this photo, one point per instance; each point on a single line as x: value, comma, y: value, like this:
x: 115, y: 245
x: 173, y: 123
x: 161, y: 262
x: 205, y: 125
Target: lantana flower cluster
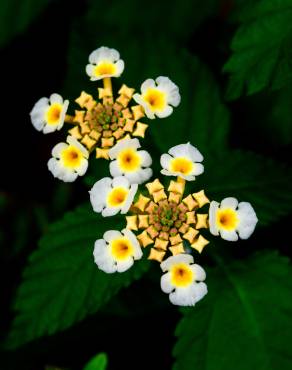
x: 167, y: 224
x: 162, y: 220
x: 99, y: 124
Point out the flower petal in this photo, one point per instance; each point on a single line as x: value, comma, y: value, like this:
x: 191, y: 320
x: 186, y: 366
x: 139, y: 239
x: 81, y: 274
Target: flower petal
x: 247, y: 220
x: 165, y: 283
x: 130, y: 198
x: 111, y: 234
x: 229, y: 235
x: 212, y: 217
x: 167, y: 111
x: 229, y: 202
x: 123, y: 266
x: 146, y: 158
x: 179, y: 258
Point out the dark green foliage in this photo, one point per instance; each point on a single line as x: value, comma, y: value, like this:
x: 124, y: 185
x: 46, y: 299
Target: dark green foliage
x: 261, y: 47
x: 249, y: 177
x: 16, y: 15
x: 62, y: 284
x: 176, y: 19
x: 242, y: 321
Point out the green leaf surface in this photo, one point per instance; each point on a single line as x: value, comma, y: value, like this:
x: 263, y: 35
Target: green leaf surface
x: 244, y: 322
x: 61, y: 284
x: 249, y: 177
x: 98, y: 362
x: 261, y: 48
x: 16, y: 15
x: 175, y: 19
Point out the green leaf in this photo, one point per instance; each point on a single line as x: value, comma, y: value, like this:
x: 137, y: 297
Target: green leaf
x: 61, y: 284
x: 175, y: 20
x: 249, y: 177
x: 261, y: 48
x: 98, y: 362
x: 244, y: 322
x: 15, y: 16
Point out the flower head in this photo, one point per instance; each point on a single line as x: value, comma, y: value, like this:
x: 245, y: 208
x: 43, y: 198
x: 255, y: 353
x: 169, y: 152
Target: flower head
x: 130, y: 162
x: 48, y: 114
x: 182, y: 160
x: 167, y: 220
x: 116, y: 251
x: 110, y: 196
x: 183, y: 280
x: 100, y: 125
x: 158, y: 97
x: 231, y: 219
x: 104, y: 62
x: 69, y: 160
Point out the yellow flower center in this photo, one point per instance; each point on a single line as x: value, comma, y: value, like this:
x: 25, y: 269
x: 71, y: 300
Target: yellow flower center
x: 156, y: 99
x: 105, y: 68
x: 71, y: 157
x: 226, y: 219
x: 121, y: 249
x: 53, y: 114
x: 181, y: 165
x: 181, y: 275
x: 117, y: 197
x: 129, y: 160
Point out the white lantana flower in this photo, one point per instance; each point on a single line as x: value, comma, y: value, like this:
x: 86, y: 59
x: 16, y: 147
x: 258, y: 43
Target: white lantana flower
x: 183, y: 280
x: 104, y: 62
x: 182, y: 161
x: 231, y: 219
x: 158, y: 98
x: 69, y: 160
x: 48, y: 114
x: 109, y: 196
x: 116, y: 251
x: 130, y: 162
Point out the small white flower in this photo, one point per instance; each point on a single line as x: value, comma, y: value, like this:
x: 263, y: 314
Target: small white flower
x: 104, y: 62
x: 158, y: 98
x: 130, y: 162
x: 48, y: 114
x: 69, y: 160
x: 230, y: 219
x: 182, y: 161
x: 116, y: 251
x: 109, y: 196
x: 183, y: 280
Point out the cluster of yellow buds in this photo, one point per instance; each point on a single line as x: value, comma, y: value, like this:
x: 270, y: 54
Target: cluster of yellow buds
x: 168, y: 219
x: 168, y: 223
x: 101, y: 123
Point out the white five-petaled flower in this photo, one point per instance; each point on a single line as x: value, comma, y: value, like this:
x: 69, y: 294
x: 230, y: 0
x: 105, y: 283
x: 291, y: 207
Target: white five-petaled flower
x: 48, y: 114
x: 116, y: 251
x: 109, y: 196
x: 69, y: 160
x: 230, y: 219
x: 104, y: 62
x: 130, y: 162
x: 182, y: 160
x: 183, y: 280
x: 158, y: 98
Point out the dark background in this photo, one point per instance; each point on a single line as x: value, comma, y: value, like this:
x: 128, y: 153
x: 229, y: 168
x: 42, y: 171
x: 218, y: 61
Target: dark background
x: 34, y: 63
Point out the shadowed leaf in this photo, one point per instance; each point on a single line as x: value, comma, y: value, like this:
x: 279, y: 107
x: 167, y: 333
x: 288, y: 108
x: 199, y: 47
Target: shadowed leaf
x: 242, y: 321
x: 61, y: 284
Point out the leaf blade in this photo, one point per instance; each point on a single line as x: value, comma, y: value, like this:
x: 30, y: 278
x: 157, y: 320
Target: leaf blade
x: 61, y: 284
x: 210, y: 338
x: 261, y: 48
